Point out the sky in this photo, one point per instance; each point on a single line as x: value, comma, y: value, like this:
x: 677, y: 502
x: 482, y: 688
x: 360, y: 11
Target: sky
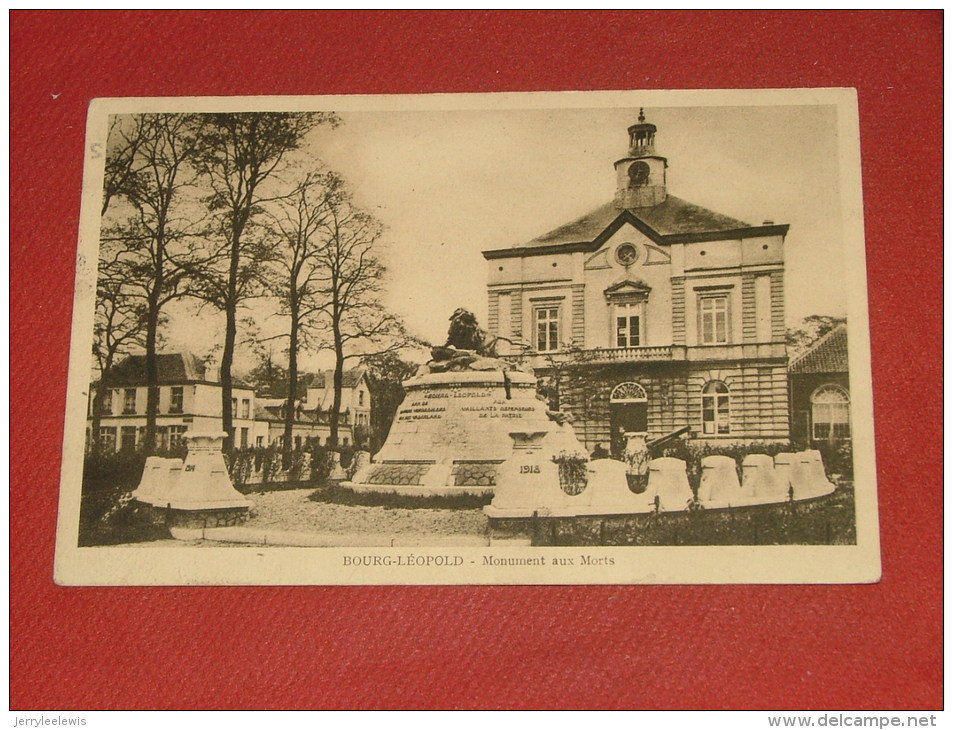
x: 450, y: 184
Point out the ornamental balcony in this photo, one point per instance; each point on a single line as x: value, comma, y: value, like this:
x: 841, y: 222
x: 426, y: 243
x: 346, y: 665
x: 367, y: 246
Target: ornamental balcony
x: 597, y: 356
x: 627, y: 354
x: 661, y: 353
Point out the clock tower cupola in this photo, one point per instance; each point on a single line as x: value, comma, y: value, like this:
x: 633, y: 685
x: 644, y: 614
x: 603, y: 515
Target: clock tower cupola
x: 640, y: 177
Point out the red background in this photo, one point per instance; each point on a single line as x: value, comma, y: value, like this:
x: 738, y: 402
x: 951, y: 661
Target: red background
x: 769, y: 647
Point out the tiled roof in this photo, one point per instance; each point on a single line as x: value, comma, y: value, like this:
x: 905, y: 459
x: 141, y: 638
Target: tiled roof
x: 174, y: 368
x: 672, y: 217
x: 178, y: 367
x: 272, y: 412
x: 262, y: 413
x: 827, y: 355
x: 325, y: 379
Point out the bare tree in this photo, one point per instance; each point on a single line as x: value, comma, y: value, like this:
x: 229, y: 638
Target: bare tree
x: 122, y: 145
x: 295, y: 225
x: 356, y: 323
x: 240, y: 152
x: 154, y: 243
x: 119, y: 327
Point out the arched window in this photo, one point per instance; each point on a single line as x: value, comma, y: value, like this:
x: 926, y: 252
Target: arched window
x: 628, y: 413
x: 628, y: 393
x: 715, y: 409
x: 830, y: 413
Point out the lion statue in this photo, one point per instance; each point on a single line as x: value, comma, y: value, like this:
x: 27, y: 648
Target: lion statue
x: 465, y: 332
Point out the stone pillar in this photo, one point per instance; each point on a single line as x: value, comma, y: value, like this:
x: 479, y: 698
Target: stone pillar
x: 528, y: 481
x: 197, y: 493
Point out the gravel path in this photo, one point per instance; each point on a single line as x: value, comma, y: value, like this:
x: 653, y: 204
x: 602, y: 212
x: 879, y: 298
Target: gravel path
x: 292, y: 511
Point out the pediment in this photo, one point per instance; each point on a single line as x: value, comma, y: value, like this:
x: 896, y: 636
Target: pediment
x: 628, y: 287
x: 621, y: 233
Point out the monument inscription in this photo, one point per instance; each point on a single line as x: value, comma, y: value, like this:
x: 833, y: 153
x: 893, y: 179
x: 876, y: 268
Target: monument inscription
x: 459, y: 423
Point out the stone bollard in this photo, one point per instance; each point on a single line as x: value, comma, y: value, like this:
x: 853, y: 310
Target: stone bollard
x: 668, y: 481
x: 759, y: 482
x: 636, y: 453
x: 719, y: 484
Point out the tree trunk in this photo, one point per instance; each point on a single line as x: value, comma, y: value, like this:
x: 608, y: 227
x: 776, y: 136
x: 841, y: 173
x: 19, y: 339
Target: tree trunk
x: 292, y: 390
x: 338, y: 380
x: 228, y: 353
x: 231, y: 330
x: 152, y: 380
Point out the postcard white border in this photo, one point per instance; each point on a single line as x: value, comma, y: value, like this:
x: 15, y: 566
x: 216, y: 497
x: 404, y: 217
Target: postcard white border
x: 159, y: 565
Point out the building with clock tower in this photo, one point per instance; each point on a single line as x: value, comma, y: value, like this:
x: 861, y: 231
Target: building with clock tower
x: 650, y: 315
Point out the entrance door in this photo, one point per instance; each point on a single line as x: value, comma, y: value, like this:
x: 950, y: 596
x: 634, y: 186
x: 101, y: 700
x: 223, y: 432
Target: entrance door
x: 628, y: 413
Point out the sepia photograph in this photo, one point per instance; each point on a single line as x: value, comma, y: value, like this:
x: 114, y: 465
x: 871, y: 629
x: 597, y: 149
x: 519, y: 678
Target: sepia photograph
x: 601, y: 337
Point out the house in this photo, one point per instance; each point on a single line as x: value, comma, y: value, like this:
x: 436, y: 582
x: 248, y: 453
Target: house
x: 650, y: 314
x: 820, y: 390
x: 355, y: 394
x: 189, y: 399
x: 312, y: 418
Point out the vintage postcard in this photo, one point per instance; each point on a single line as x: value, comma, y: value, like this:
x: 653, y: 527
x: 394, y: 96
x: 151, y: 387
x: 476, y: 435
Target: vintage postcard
x: 600, y: 337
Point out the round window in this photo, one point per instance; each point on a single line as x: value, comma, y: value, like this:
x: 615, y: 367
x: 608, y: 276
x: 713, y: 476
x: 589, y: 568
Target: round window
x: 627, y: 254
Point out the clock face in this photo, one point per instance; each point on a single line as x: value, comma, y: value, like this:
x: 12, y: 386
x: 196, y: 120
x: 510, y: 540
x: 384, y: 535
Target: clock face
x: 627, y: 254
x: 639, y: 173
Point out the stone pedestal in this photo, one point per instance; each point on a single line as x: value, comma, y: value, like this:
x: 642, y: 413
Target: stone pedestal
x: 528, y: 481
x: 668, y: 481
x: 609, y: 492
x: 759, y: 482
x: 195, y: 493
x: 719, y: 484
x: 808, y: 476
x: 451, y: 434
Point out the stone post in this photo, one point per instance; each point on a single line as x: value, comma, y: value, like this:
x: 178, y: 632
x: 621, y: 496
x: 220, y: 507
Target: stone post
x: 528, y: 481
x: 197, y: 493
